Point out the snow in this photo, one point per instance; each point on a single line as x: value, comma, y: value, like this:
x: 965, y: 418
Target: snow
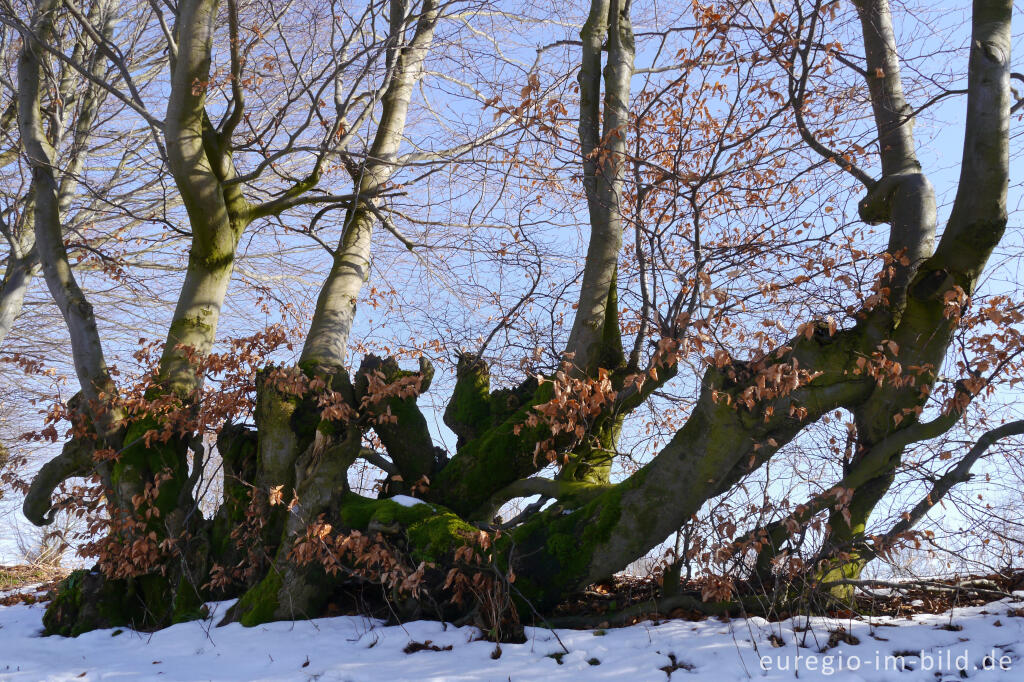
x: 406, y: 501
x: 354, y: 648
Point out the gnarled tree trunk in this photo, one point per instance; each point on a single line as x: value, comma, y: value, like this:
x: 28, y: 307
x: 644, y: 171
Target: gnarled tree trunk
x: 308, y: 540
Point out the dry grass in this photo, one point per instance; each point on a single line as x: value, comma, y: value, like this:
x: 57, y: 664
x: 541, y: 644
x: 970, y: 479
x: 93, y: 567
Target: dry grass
x: 14, y: 580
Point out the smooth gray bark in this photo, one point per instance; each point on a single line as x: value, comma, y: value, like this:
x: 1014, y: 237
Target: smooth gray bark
x: 45, y: 206
x: 603, y: 150
x: 978, y: 218
x: 87, y: 348
x: 23, y: 261
x: 904, y: 197
x: 200, y: 167
x: 327, y: 340
x: 22, y: 266
x: 19, y: 232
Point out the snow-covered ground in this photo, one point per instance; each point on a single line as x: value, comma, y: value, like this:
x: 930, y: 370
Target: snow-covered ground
x: 933, y: 647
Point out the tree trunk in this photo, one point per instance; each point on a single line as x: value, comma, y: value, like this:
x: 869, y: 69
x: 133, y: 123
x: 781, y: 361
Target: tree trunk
x: 87, y: 351
x: 17, y: 277
x: 591, y: 340
x: 315, y: 541
x: 327, y: 340
x: 923, y: 326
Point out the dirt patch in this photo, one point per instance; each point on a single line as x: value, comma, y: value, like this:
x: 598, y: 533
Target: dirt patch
x: 413, y: 647
x: 15, y: 582
x: 598, y: 605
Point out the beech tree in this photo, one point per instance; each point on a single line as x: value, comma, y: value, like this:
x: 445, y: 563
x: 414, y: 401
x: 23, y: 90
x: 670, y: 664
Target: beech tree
x: 699, y: 178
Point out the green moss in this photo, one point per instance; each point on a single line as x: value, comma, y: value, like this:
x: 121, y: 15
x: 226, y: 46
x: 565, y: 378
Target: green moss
x: 188, y: 603
x: 139, y: 464
x: 494, y: 460
x: 357, y: 512
x: 469, y: 409
x: 601, y: 517
x: 213, y: 261
x: 437, y: 536
x: 432, y: 531
x: 260, y: 603
x: 842, y: 570
x: 61, y: 613
x: 155, y: 592
x: 328, y: 428
x: 561, y: 547
x: 592, y: 462
x: 611, y: 355
x: 85, y: 601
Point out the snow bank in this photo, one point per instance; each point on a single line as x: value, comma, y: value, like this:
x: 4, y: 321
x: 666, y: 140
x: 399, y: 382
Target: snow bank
x: 406, y: 500
x: 353, y: 648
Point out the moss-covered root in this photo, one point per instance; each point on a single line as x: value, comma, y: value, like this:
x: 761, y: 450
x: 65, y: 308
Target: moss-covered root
x: 260, y: 604
x: 553, y: 552
x: 423, y: 532
x: 82, y: 602
x: 87, y: 600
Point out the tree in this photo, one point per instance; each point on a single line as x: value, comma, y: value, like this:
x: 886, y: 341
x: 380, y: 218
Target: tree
x: 680, y: 162
x: 84, y: 176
